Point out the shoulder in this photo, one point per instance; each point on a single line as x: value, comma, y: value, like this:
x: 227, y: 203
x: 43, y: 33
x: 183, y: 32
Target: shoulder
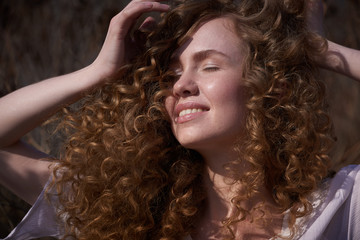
x: 41, y: 220
x: 349, y: 171
x: 344, y: 186
x: 336, y: 207
x: 345, y: 180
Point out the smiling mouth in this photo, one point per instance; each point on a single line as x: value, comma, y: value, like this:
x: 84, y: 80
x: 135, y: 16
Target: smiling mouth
x: 189, y: 111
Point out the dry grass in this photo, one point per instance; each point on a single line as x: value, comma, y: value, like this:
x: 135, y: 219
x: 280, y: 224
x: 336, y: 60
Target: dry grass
x: 43, y: 38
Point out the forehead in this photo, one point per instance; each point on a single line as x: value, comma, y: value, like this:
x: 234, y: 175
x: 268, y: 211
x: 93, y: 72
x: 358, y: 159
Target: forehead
x: 217, y: 34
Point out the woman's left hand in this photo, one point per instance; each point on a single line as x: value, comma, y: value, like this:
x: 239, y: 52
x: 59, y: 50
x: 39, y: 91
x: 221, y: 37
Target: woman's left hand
x: 315, y: 16
x: 337, y: 58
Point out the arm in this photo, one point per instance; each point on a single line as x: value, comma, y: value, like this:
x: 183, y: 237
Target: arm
x: 337, y: 58
x: 23, y: 171
x: 22, y: 168
x: 26, y: 108
x: 342, y: 60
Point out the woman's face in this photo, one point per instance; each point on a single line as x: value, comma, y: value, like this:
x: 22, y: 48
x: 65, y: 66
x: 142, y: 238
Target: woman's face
x: 206, y: 106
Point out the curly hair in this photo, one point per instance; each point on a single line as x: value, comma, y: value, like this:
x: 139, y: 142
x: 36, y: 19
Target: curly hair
x: 125, y: 176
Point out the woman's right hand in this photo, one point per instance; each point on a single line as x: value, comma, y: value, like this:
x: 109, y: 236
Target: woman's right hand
x: 119, y: 47
x: 24, y: 109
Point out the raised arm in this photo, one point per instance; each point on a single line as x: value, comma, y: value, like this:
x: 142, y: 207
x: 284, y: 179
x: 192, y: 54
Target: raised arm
x: 338, y: 58
x: 28, y: 107
x: 342, y: 60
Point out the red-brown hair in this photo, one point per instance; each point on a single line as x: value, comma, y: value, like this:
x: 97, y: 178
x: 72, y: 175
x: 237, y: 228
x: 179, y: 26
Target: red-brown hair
x: 125, y: 176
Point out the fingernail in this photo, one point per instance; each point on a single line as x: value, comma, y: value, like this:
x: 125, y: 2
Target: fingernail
x: 166, y: 7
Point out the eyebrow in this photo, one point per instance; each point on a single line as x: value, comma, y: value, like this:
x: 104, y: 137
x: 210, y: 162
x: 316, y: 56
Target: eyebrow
x: 201, y: 55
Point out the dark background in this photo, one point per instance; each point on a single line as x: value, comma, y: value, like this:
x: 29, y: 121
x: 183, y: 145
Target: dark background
x: 45, y: 38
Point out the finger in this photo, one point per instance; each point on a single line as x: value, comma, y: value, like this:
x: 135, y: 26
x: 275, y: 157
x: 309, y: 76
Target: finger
x: 148, y: 24
x: 136, y: 8
x: 314, y: 16
x: 126, y: 18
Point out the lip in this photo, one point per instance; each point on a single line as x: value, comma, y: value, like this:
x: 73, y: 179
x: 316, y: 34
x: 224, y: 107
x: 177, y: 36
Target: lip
x: 188, y: 105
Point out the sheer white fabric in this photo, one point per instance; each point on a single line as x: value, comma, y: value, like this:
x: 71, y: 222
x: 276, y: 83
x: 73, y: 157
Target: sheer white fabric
x: 40, y: 221
x: 336, y: 213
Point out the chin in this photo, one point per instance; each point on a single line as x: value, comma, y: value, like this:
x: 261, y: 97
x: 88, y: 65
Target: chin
x: 193, y: 144
x: 202, y: 145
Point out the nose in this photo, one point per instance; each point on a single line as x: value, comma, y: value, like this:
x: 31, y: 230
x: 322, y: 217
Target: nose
x: 185, y: 86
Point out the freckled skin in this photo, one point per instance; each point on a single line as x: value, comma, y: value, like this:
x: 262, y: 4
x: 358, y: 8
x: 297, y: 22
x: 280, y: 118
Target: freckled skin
x: 209, y: 66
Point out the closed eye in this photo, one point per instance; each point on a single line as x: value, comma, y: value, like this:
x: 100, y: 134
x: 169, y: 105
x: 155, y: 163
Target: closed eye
x: 211, y: 68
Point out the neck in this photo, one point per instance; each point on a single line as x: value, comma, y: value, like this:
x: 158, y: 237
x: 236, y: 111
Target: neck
x: 221, y: 189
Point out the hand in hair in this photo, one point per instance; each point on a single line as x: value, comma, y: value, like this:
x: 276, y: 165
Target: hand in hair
x: 337, y: 57
x: 26, y: 108
x: 119, y: 46
x: 314, y: 16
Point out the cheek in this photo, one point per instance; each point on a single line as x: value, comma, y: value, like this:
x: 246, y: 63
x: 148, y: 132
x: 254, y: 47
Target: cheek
x: 231, y: 100
x: 228, y: 94
x: 236, y: 96
x: 169, y: 105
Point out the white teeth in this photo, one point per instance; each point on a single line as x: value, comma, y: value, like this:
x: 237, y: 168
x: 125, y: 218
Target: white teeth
x: 188, y: 111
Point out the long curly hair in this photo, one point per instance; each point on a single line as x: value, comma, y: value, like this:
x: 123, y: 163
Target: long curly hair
x: 124, y: 175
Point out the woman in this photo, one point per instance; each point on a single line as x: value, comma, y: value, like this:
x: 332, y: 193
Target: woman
x: 215, y: 127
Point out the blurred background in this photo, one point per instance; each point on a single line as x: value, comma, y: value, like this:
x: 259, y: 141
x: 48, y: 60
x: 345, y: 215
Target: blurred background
x: 44, y: 38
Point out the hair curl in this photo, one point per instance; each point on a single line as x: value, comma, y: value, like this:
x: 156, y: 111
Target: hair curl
x: 125, y: 176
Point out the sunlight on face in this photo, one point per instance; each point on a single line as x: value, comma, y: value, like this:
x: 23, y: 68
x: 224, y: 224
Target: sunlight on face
x: 206, y: 106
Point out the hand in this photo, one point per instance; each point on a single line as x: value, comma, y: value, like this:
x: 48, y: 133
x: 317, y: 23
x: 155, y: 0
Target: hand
x: 337, y: 58
x: 119, y: 47
x: 315, y: 15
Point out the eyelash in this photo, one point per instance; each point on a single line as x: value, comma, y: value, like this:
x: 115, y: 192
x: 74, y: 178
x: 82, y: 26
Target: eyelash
x: 211, y: 69
x: 178, y: 73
